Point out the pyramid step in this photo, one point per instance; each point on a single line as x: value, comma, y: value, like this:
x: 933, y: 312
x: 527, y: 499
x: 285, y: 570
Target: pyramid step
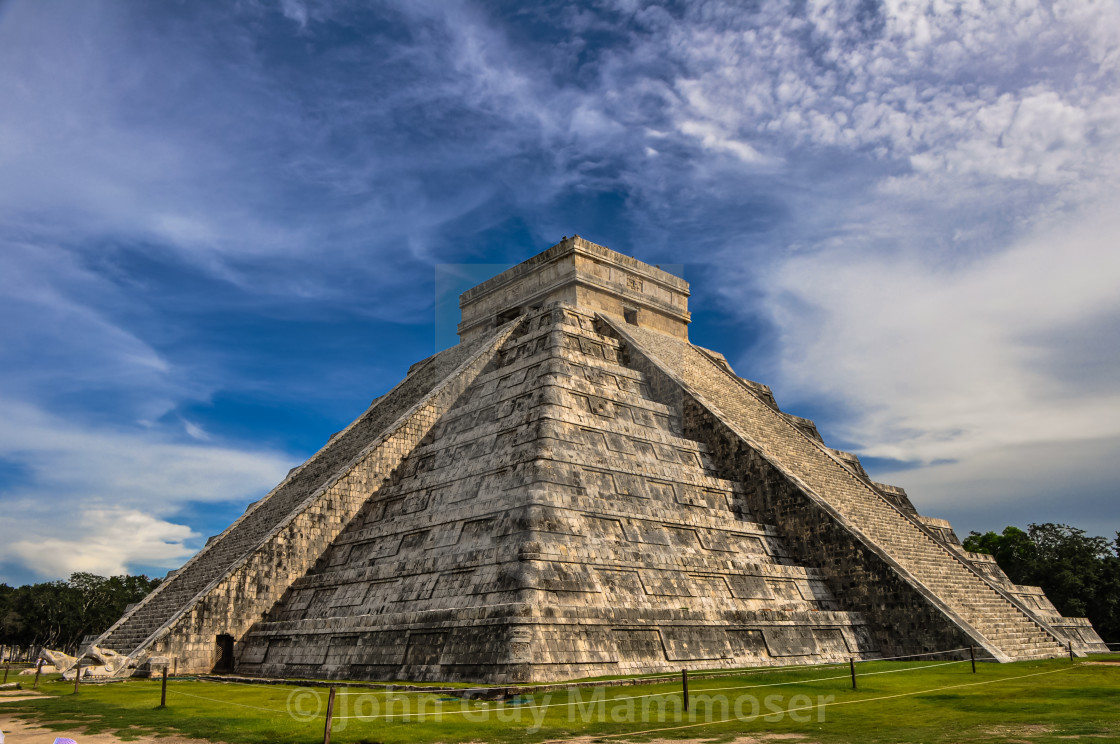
x: 897, y: 535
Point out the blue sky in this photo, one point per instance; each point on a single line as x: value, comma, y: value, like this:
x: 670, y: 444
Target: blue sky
x: 221, y: 225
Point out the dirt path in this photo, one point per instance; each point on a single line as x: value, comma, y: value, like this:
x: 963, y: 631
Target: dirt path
x: 18, y: 731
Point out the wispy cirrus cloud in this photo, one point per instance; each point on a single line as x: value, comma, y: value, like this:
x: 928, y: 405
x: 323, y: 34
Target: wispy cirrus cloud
x: 895, y: 215
x: 938, y: 275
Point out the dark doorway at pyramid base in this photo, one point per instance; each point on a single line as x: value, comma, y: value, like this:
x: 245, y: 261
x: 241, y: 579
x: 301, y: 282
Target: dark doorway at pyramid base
x: 223, y: 653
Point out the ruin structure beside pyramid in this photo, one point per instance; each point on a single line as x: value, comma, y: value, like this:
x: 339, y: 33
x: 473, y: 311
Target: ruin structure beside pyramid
x: 576, y: 490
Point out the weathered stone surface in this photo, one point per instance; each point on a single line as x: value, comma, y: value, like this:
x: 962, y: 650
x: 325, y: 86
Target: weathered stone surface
x: 900, y: 569
x: 576, y: 490
x: 554, y: 524
x: 59, y: 660
x: 578, y: 273
x: 224, y: 589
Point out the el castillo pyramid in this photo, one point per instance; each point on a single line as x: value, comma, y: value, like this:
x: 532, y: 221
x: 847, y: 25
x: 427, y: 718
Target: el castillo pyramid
x: 575, y: 490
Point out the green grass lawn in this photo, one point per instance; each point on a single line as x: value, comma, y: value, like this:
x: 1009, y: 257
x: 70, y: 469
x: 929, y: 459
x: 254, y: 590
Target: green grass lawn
x: 1045, y: 701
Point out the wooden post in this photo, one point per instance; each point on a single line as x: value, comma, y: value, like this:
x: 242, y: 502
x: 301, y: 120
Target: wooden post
x: 1068, y: 643
x: 8, y: 665
x: 77, y: 675
x: 852, y: 665
x: 163, y: 689
x: 684, y: 685
x: 38, y: 670
x: 330, y: 715
x: 972, y: 656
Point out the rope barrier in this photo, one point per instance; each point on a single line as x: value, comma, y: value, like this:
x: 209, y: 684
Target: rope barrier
x: 813, y: 707
x: 914, y: 656
x: 702, y: 673
x: 914, y: 669
x: 364, y: 691
x: 698, y: 674
x: 594, y: 701
x: 774, y: 684
x: 228, y: 702
x: 417, y: 691
x: 570, y: 703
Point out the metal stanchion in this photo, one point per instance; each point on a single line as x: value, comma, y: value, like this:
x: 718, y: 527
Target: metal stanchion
x: 684, y: 686
x: 330, y: 715
x: 852, y: 664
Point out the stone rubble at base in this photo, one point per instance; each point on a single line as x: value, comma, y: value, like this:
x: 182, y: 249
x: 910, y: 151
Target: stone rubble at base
x: 575, y: 490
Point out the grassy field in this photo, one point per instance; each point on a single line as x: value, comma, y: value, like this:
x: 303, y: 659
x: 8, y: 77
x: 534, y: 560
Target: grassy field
x: 1046, y: 701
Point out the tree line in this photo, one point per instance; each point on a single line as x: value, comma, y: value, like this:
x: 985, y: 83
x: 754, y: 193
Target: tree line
x: 59, y: 614
x: 1080, y: 574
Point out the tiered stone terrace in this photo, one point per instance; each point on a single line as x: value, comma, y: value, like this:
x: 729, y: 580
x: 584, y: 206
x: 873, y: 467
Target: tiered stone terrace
x: 241, y: 573
x: 577, y: 490
x: 976, y: 611
x: 553, y: 524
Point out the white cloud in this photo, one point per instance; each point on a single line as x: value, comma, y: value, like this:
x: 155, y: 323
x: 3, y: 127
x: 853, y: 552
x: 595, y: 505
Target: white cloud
x: 936, y: 360
x: 295, y: 11
x: 184, y: 141
x: 93, y: 489
x: 127, y: 468
x: 1024, y: 91
x: 105, y: 542
x: 97, y: 499
x: 712, y: 139
x: 195, y: 431
x: 943, y: 280
x: 1069, y: 482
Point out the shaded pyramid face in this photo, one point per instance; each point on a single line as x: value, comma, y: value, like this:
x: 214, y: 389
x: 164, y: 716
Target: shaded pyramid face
x: 553, y: 524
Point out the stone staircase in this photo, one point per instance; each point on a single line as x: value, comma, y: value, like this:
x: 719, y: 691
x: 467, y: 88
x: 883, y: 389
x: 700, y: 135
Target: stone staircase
x: 261, y: 519
x: 1007, y: 629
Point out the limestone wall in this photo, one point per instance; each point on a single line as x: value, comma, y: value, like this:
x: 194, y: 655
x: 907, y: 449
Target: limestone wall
x: 241, y: 589
x: 879, y: 557
x: 555, y: 524
x: 580, y: 273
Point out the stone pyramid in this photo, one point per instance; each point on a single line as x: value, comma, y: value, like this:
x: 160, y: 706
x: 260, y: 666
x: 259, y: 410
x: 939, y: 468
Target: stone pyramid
x: 576, y: 490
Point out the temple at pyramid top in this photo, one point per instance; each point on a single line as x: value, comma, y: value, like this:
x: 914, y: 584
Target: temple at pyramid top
x: 582, y: 274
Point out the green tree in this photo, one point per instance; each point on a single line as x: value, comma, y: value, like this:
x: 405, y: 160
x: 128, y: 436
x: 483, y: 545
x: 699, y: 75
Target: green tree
x: 1013, y: 550
x: 58, y: 614
x: 1080, y: 574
